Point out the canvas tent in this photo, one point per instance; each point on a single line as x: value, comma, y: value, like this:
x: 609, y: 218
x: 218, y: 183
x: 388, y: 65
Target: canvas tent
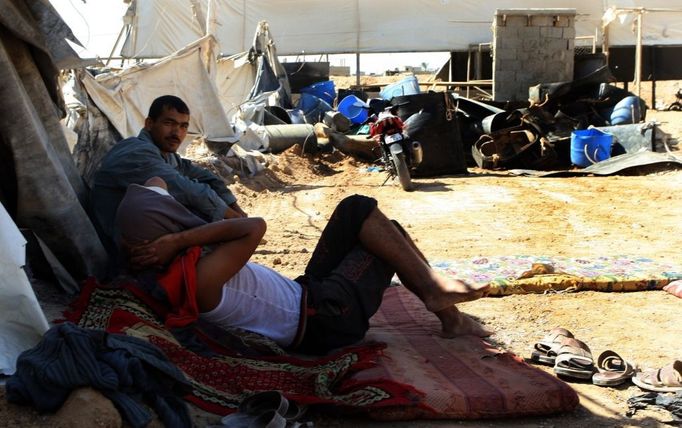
x: 226, y: 99
x: 40, y: 188
x: 124, y: 97
x: 159, y: 27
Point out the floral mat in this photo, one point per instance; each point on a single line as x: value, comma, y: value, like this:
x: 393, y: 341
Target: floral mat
x: 221, y: 378
x: 539, y: 274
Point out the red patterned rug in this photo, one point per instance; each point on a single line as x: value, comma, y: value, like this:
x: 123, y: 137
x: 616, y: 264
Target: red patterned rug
x: 462, y: 378
x: 220, y: 382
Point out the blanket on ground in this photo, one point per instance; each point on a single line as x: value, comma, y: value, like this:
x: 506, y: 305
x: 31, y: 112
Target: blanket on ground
x: 462, y: 378
x: 528, y: 274
x: 222, y: 378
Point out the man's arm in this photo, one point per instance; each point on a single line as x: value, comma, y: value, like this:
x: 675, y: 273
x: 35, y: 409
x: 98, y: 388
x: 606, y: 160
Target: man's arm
x: 162, y: 250
x: 238, y: 239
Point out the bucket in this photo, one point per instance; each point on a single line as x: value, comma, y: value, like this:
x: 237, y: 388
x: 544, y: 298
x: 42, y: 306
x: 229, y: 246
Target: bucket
x: 590, y: 146
x: 324, y: 90
x: 407, y: 86
x: 354, y: 109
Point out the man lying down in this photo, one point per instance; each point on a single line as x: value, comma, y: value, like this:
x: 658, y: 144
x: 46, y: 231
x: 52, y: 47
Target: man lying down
x: 329, y: 306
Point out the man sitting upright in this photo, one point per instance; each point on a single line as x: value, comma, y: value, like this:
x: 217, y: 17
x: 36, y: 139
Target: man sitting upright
x: 153, y: 153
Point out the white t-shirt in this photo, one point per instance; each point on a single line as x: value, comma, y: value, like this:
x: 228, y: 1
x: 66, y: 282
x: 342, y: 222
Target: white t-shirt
x: 260, y: 300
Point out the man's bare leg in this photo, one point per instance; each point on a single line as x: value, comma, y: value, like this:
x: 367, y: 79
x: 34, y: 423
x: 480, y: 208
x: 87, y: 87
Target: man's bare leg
x: 383, y: 239
x: 455, y: 323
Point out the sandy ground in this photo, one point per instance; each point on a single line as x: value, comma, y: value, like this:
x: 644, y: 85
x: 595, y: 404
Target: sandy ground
x: 486, y: 214
x: 491, y: 214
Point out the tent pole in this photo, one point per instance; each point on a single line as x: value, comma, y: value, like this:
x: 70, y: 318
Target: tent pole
x: 357, y: 68
x: 118, y: 39
x: 638, y: 54
x: 605, y: 42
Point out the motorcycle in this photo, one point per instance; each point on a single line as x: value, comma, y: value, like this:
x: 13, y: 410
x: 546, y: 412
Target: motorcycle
x: 399, y: 154
x: 677, y: 104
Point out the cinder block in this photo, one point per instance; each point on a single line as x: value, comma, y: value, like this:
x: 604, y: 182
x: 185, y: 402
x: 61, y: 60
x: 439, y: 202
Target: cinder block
x: 504, y: 76
x: 560, y: 56
x: 542, y: 21
x: 531, y: 44
x: 523, y: 56
x: 511, y: 42
x: 568, y: 32
x: 517, y: 21
x: 554, y: 45
x: 551, y: 33
x: 529, y: 32
x: 506, y: 64
x: 503, y: 54
x: 506, y: 32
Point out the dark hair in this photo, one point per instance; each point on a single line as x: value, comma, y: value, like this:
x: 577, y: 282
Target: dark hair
x: 167, y: 102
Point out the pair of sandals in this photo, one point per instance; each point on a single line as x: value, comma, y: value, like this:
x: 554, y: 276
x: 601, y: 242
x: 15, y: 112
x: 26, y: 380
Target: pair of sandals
x: 269, y: 409
x: 572, y: 358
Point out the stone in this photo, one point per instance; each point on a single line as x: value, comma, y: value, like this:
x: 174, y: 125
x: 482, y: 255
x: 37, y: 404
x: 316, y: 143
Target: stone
x: 86, y: 407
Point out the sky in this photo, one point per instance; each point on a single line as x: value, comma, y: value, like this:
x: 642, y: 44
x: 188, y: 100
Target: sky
x: 97, y: 23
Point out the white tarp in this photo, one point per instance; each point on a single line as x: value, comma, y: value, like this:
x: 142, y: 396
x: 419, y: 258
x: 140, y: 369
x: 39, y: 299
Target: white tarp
x: 160, y: 27
x: 235, y: 76
x: 22, y: 322
x: 125, y: 97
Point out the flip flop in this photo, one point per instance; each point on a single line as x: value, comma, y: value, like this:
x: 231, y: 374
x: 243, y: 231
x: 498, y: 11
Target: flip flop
x: 612, y: 370
x: 667, y: 379
x: 574, y: 359
x: 269, y: 419
x: 265, y: 409
x: 674, y: 288
x: 545, y: 349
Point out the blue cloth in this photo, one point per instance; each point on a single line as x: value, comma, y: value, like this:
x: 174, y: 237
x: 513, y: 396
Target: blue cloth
x: 137, y: 159
x: 125, y: 369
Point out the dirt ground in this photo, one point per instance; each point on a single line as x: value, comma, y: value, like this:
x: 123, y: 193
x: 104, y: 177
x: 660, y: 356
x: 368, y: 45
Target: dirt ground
x: 494, y: 214
x: 488, y: 214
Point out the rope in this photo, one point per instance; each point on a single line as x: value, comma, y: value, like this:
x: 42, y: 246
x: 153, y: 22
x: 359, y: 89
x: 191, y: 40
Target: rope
x: 450, y: 106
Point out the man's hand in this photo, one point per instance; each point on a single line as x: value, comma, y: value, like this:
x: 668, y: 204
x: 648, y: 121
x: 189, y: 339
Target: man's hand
x: 235, y: 211
x: 157, y: 253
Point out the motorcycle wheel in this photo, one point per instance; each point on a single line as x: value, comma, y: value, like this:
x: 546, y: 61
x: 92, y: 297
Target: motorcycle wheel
x: 675, y: 106
x: 401, y: 171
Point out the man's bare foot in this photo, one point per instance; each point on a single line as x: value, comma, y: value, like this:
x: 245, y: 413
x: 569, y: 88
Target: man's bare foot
x: 450, y: 292
x: 455, y: 324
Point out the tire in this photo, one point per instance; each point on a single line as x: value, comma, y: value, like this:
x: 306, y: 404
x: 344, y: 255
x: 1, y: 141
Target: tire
x: 675, y: 107
x: 401, y: 171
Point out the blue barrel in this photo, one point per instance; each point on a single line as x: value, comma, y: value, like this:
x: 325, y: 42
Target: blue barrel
x: 407, y: 86
x: 628, y: 110
x: 354, y: 109
x: 313, y: 107
x: 324, y: 90
x: 590, y: 146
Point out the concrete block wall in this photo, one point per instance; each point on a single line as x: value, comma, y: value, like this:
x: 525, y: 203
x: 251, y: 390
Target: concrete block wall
x: 531, y: 46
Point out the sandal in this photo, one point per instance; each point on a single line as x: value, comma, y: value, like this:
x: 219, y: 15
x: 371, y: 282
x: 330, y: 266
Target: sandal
x: 574, y: 359
x: 265, y: 409
x: 545, y: 349
x: 667, y: 379
x: 612, y: 370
